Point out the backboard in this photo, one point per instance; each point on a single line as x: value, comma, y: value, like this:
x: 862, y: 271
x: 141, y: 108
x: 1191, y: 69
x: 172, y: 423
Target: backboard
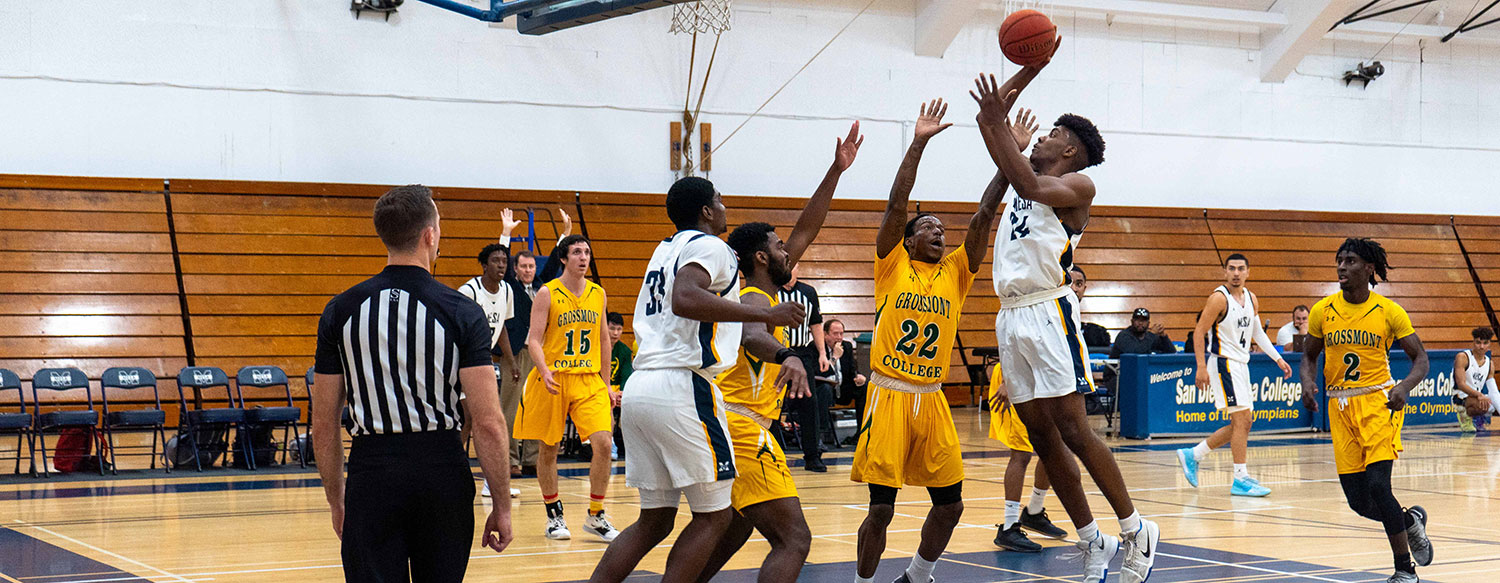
x: 571, y: 13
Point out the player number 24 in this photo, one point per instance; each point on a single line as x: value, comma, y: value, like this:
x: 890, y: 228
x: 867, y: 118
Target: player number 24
x: 908, y: 343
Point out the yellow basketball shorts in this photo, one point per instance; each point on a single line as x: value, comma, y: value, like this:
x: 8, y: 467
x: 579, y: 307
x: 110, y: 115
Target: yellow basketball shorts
x: 763, y: 474
x: 1364, y: 431
x: 1006, y: 428
x: 907, y: 439
x: 584, y: 397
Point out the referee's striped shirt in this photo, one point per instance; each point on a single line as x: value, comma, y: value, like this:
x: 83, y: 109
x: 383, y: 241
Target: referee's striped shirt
x: 399, y: 339
x: 802, y: 293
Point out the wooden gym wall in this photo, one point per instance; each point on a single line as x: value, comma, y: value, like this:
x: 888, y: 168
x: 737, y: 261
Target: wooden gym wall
x: 88, y: 279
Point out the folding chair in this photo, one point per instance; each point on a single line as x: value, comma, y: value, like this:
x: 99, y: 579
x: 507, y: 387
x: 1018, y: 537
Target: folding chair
x: 199, y: 421
x: 63, y: 379
x: 18, y: 423
x: 153, y: 420
x: 288, y: 418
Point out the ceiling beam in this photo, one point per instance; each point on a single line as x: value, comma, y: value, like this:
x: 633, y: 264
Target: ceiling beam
x: 1307, y: 22
x: 938, y: 23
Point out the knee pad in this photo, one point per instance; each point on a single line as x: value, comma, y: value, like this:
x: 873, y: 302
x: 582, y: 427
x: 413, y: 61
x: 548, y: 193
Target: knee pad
x: 951, y: 494
x: 882, y: 495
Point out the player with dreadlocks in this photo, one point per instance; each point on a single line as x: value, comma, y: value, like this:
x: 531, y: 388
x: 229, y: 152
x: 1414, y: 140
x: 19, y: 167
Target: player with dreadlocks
x: 1365, y: 405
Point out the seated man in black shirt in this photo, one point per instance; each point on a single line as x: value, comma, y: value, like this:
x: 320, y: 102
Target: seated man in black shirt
x: 1142, y: 337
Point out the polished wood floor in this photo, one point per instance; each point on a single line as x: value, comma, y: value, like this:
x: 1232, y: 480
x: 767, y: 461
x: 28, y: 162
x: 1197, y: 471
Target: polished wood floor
x: 270, y: 526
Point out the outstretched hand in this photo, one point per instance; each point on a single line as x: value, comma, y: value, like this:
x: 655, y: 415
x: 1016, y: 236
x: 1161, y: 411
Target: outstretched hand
x: 508, y: 222
x: 845, y: 150
x: 1024, y: 127
x: 993, y: 107
x: 930, y: 120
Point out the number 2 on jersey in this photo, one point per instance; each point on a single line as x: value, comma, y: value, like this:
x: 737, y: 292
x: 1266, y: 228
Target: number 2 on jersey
x: 1351, y: 373
x: 908, y: 343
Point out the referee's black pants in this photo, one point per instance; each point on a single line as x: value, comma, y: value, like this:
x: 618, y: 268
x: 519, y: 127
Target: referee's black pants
x: 408, y: 509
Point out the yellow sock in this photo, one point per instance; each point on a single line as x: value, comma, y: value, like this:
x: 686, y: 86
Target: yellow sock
x: 596, y: 504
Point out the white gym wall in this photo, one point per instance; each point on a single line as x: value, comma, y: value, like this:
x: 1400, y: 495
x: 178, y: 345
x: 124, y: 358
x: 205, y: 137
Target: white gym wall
x: 299, y: 90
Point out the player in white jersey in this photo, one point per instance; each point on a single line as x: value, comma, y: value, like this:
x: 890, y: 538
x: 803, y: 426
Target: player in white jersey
x: 1041, y: 346
x: 688, y: 324
x: 1474, y: 378
x: 1228, y: 324
x: 493, y: 294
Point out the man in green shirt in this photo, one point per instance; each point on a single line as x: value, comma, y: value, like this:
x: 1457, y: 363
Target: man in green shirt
x: 619, y: 370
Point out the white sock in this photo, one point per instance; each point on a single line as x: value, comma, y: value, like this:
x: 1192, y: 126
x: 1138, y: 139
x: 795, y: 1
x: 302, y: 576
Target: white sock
x: 1012, y: 512
x: 1038, y: 496
x: 920, y: 570
x: 858, y: 579
x: 1089, y: 532
x: 1130, y: 524
x: 1240, y: 471
x: 1201, y: 450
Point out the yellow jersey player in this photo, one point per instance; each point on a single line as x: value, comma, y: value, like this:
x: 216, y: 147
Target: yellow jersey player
x: 764, y: 497
x: 1006, y: 428
x: 907, y: 435
x: 1366, y: 407
x: 571, y: 379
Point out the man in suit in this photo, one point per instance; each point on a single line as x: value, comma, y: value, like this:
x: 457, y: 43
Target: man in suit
x: 850, y: 384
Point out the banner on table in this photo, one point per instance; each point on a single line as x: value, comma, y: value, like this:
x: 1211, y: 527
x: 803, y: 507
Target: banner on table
x: 1158, y: 396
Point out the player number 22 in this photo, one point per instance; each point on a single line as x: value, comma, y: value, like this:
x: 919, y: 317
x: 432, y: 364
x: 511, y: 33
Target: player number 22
x: 908, y: 343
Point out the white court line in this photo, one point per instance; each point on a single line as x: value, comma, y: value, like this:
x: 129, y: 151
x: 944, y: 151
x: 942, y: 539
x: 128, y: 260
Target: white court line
x: 99, y: 550
x: 1253, y: 568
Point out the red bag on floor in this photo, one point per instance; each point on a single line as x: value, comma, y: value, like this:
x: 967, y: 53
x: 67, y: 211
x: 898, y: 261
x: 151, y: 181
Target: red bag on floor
x: 73, y: 447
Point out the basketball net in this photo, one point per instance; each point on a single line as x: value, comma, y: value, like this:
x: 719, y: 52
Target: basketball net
x: 704, y: 16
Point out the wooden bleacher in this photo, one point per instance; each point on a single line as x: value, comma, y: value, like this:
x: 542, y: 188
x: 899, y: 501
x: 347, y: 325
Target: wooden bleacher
x: 92, y: 282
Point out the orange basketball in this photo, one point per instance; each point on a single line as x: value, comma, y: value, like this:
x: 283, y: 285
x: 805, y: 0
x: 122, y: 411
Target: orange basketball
x: 1027, y: 37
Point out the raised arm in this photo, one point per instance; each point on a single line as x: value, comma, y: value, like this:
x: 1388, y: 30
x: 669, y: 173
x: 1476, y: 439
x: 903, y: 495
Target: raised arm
x: 1067, y: 191
x: 893, y: 225
x: 977, y: 239
x: 692, y: 300
x: 816, y: 211
x: 1412, y: 345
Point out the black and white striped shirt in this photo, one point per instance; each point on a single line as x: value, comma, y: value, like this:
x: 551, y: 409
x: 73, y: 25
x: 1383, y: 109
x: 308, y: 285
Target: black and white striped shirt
x: 399, y: 339
x: 801, y: 293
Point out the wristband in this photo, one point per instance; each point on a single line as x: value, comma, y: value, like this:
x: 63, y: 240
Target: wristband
x: 784, y: 354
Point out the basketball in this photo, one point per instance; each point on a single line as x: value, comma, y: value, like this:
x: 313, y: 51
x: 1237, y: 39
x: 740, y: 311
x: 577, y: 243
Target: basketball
x: 1027, y: 37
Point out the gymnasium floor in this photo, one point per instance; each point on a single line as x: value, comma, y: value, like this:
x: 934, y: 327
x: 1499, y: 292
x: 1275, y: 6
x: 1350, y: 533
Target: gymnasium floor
x: 240, y: 527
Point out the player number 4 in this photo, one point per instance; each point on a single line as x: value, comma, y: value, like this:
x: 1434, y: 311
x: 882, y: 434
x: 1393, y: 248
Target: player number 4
x: 908, y: 343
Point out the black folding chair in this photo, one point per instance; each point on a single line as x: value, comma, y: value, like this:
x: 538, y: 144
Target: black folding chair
x: 18, y: 423
x: 288, y: 418
x: 152, y: 420
x: 198, y: 422
x: 63, y: 379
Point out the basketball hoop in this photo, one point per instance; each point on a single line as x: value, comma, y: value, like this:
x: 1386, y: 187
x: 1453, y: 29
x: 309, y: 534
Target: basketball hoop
x: 1010, y: 6
x: 702, y: 16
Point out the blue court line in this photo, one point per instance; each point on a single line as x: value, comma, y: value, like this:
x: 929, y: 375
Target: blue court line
x: 1175, y: 564
x: 23, y: 557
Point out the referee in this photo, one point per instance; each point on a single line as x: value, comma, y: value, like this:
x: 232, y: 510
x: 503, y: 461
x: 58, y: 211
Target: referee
x: 403, y: 347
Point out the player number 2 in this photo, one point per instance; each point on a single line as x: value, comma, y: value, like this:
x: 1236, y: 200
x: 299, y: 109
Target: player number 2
x: 656, y: 287
x: 908, y: 343
x: 1351, y: 373
x: 583, y: 342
